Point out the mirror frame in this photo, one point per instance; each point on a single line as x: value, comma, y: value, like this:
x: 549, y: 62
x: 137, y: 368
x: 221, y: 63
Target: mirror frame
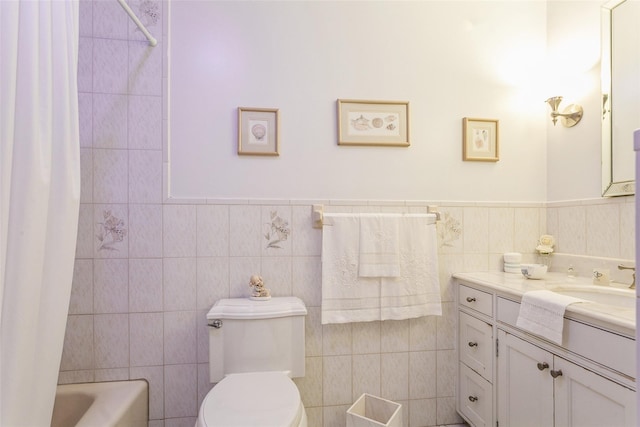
x: 610, y: 188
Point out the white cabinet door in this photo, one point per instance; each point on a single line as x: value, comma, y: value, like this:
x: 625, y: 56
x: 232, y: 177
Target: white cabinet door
x: 525, y: 386
x: 585, y: 399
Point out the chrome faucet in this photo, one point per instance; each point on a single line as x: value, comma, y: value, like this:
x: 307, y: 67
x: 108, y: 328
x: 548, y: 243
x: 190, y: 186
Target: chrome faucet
x: 622, y: 267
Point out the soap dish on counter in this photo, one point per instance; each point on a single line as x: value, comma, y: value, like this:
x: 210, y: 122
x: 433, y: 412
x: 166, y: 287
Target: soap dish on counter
x: 534, y: 271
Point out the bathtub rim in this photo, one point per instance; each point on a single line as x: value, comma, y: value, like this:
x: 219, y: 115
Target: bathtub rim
x: 132, y: 389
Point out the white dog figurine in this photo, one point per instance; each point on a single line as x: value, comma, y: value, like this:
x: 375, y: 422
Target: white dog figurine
x: 257, y: 286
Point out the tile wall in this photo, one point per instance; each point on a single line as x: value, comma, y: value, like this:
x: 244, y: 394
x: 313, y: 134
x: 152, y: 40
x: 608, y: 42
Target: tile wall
x: 147, y: 269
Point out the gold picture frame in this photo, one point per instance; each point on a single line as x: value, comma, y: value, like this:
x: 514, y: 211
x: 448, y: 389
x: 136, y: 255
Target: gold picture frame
x: 480, y: 140
x: 258, y: 131
x: 373, y: 123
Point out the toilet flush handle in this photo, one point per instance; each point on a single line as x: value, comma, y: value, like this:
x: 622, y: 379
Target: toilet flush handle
x: 216, y: 323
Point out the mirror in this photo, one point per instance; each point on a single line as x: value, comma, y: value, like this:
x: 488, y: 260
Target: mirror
x: 620, y: 94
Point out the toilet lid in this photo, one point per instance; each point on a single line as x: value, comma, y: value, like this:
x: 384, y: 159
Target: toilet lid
x: 254, y: 399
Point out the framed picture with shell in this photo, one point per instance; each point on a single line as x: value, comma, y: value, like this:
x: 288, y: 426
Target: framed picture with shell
x: 258, y: 133
x: 373, y: 123
x: 480, y: 140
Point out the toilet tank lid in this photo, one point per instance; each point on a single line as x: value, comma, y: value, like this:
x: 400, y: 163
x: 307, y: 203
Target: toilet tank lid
x: 245, y: 308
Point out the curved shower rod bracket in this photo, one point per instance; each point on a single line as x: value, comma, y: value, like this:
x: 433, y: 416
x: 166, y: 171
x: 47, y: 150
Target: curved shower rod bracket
x: 132, y: 15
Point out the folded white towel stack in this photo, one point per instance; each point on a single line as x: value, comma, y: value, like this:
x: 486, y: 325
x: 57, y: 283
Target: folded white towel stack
x: 542, y: 313
x: 512, y: 262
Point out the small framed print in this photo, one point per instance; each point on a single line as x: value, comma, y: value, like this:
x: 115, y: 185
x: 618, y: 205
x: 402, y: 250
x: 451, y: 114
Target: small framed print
x: 480, y: 139
x: 373, y: 123
x: 258, y: 133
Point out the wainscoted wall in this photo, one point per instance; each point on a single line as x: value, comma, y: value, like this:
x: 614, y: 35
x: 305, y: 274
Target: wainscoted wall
x: 148, y: 269
x: 141, y: 312
x: 594, y: 228
x: 143, y: 315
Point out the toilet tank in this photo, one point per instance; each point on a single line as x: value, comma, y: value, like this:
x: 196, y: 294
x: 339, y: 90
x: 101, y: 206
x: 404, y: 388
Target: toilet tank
x: 248, y: 335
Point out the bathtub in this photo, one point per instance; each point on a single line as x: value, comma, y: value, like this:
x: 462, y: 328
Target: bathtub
x: 107, y: 404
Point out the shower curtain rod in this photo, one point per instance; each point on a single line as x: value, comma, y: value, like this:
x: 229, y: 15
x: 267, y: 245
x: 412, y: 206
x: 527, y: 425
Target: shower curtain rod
x: 132, y: 15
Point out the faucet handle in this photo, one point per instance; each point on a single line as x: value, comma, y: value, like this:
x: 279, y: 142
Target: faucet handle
x: 624, y: 267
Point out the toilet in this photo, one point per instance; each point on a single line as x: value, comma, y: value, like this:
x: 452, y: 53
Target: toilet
x: 256, y: 347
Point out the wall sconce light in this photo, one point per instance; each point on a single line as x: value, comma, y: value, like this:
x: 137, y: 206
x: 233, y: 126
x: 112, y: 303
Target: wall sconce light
x: 571, y: 115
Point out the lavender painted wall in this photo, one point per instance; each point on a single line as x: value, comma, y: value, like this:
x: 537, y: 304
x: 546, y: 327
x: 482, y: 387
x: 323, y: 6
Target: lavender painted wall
x: 148, y: 268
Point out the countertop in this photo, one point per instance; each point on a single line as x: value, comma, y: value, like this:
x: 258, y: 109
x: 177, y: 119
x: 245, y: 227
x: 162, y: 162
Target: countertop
x: 513, y: 286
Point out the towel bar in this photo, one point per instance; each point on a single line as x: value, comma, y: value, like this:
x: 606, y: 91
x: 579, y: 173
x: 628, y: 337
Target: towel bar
x: 317, y: 215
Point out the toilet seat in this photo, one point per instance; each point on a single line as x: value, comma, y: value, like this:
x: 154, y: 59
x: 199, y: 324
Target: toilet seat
x: 256, y: 399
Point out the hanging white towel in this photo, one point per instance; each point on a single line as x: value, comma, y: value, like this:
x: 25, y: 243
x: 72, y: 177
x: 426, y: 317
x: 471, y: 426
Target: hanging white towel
x: 379, y: 246
x: 542, y: 313
x: 346, y: 297
x: 416, y: 292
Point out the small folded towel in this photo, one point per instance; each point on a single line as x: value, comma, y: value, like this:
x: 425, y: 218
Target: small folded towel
x: 542, y: 313
x: 346, y: 297
x: 379, y: 247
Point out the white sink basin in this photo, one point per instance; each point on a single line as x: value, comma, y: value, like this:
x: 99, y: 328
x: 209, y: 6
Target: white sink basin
x: 625, y: 298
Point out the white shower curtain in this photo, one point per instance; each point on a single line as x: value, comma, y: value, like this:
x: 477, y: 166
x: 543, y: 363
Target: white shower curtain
x: 40, y: 194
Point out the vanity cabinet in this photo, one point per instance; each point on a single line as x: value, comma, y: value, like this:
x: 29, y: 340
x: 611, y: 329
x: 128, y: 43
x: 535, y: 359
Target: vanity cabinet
x: 537, y: 388
x: 525, y: 386
x: 476, y: 356
x: 507, y: 377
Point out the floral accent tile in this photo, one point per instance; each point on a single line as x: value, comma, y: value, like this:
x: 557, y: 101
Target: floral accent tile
x: 277, y: 231
x: 449, y: 230
x: 110, y: 232
x: 149, y: 13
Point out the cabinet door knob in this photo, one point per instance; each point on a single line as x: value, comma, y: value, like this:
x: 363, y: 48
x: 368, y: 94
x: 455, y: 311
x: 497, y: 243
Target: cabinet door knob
x: 473, y: 344
x: 471, y: 299
x: 555, y: 374
x: 473, y: 398
x: 542, y: 366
